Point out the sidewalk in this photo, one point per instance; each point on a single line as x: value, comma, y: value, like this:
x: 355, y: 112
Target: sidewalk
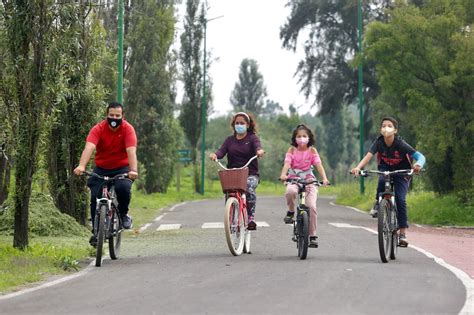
x: 454, y: 245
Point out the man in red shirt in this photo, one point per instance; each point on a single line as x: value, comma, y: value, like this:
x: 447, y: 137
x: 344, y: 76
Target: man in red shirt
x: 115, y: 143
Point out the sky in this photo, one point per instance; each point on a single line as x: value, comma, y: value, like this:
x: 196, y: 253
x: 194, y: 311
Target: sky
x: 251, y: 29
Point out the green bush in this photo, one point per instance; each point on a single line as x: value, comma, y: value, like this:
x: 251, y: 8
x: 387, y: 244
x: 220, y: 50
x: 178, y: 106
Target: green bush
x: 44, y: 219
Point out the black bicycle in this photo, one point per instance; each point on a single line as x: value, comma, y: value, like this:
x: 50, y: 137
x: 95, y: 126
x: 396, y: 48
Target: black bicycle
x: 387, y: 226
x: 301, y: 224
x: 107, y: 222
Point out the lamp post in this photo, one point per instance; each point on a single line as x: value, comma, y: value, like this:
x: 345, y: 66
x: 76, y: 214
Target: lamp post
x: 360, y: 92
x: 120, y: 53
x: 204, y: 106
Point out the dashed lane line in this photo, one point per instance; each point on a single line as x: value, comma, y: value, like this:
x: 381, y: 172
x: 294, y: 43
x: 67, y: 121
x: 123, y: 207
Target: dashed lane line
x: 168, y: 227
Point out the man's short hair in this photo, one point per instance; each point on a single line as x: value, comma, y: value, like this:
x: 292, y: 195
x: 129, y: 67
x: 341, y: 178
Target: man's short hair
x: 114, y: 105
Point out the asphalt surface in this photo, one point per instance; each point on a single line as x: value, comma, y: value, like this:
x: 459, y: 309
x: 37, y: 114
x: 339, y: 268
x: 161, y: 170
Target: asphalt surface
x: 191, y: 271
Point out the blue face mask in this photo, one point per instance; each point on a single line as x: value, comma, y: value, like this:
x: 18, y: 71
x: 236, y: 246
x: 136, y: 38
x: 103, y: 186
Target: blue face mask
x: 240, y: 129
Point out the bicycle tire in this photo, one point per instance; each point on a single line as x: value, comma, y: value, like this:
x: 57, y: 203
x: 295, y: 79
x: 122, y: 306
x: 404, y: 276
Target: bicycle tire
x: 100, y: 235
x: 115, y: 236
x: 394, y: 249
x: 303, y: 235
x: 384, y: 231
x: 234, y: 226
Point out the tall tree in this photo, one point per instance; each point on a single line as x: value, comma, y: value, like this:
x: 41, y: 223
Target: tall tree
x: 8, y: 113
x: 190, y: 58
x: 29, y: 34
x: 425, y: 66
x: 326, y: 74
x: 150, y: 96
x: 77, y: 50
x: 334, y: 139
x: 249, y: 91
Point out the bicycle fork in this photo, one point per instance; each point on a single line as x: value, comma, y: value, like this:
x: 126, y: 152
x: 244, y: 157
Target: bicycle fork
x: 298, y: 222
x: 108, y: 215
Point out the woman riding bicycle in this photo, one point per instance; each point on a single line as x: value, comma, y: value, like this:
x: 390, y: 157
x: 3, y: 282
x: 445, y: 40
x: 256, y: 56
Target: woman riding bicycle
x: 393, y: 153
x: 299, y: 159
x: 241, y: 147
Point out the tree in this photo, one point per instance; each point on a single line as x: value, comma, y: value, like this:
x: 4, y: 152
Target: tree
x: 29, y: 36
x: 249, y: 92
x: 76, y: 111
x: 326, y: 74
x: 334, y: 139
x: 150, y: 95
x: 425, y: 67
x: 8, y: 114
x: 190, y: 58
x: 271, y: 109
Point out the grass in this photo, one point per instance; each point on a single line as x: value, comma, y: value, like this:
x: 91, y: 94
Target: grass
x: 44, y: 257
x: 424, y: 207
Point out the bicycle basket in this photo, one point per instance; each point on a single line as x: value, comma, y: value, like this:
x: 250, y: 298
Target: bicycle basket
x: 234, y: 179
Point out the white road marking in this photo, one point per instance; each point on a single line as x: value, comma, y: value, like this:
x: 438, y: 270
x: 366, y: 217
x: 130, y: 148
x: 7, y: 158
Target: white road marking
x: 167, y: 227
x: 352, y: 208
x: 461, y: 275
x: 158, y: 218
x: 213, y: 225
x: 143, y: 228
x: 48, y: 284
x: 176, y: 206
x: 220, y: 225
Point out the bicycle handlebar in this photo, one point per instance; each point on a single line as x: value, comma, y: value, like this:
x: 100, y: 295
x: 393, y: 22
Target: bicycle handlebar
x: 106, y: 178
x: 304, y: 181
x: 237, y: 168
x: 365, y: 173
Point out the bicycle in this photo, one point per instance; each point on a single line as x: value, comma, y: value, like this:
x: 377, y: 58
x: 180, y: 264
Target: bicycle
x: 387, y: 225
x: 234, y: 185
x: 107, y: 222
x: 301, y: 224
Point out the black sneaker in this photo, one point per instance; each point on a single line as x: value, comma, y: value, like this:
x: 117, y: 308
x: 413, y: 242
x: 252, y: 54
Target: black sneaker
x: 252, y: 226
x: 127, y: 222
x: 402, y: 240
x: 313, y: 243
x: 289, y: 218
x: 374, y: 212
x: 93, y: 241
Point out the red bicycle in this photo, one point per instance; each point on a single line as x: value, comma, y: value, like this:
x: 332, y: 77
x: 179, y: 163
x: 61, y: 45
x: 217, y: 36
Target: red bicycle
x: 234, y: 186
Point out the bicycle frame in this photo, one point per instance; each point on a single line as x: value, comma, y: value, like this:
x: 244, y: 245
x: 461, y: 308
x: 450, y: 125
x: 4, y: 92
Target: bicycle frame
x: 242, y: 204
x: 109, y: 199
x: 387, y: 225
x: 237, y: 234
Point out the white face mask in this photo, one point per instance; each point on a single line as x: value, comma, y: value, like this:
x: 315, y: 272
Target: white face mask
x: 387, y: 131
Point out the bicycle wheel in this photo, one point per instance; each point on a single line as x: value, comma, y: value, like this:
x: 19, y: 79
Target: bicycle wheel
x: 384, y: 231
x: 303, y: 235
x: 234, y: 226
x: 115, y: 236
x: 100, y: 235
x: 394, y: 249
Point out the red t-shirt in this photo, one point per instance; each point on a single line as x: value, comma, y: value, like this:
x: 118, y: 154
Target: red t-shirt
x: 111, y: 146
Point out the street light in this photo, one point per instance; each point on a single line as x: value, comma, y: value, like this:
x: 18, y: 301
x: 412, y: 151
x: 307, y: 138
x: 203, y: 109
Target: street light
x: 360, y: 94
x: 204, y: 106
x: 120, y: 53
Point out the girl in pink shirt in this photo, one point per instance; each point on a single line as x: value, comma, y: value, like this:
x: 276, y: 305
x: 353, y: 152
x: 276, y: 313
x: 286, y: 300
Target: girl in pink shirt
x: 299, y: 159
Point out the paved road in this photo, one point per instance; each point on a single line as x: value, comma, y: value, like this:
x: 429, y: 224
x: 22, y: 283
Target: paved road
x: 190, y: 271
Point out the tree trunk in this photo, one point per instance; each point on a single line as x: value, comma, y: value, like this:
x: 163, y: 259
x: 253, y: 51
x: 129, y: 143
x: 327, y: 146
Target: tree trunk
x: 4, y: 178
